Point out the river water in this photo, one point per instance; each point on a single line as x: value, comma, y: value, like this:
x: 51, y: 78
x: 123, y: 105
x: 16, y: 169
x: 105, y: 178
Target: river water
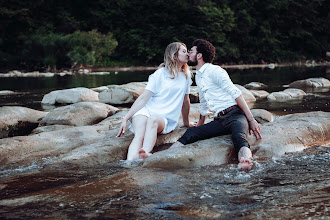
x: 295, y: 186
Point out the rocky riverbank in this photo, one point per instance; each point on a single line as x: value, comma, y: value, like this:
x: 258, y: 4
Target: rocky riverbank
x: 82, y: 132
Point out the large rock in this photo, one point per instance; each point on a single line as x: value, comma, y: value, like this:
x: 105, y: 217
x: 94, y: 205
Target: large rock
x: 79, y: 114
x: 25, y: 150
x: 247, y: 95
x: 311, y: 82
x: 255, y: 85
x: 97, y: 145
x: 259, y: 94
x: 15, y: 120
x: 122, y: 94
x: 286, y: 134
x: 70, y: 96
x: 287, y: 94
x: 262, y: 115
x: 6, y: 92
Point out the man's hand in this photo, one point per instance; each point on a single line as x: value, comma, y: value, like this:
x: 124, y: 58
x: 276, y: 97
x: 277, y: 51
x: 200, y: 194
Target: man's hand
x: 255, y: 128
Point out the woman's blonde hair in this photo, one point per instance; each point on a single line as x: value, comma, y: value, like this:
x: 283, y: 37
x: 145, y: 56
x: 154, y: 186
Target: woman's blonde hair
x: 171, y: 59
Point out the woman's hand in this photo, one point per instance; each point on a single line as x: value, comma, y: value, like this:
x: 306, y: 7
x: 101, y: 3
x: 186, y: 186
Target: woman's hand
x: 122, y: 128
x: 191, y: 124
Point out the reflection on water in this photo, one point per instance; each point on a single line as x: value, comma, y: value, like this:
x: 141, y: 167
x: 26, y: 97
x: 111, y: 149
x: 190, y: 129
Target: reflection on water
x: 295, y: 186
x: 30, y: 91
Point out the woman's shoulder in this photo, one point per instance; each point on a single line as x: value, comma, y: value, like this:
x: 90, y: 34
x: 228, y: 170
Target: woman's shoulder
x: 159, y: 72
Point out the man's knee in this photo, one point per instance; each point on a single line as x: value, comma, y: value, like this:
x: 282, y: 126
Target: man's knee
x: 190, y: 136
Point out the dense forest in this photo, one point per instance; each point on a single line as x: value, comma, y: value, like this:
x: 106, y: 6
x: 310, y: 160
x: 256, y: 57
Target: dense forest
x: 56, y: 34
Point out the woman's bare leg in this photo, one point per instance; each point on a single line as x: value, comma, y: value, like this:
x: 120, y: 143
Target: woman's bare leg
x: 139, y: 123
x: 155, y: 125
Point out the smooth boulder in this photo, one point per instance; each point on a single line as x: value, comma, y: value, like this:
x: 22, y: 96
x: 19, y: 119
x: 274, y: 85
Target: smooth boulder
x: 255, y: 85
x: 79, y: 114
x: 122, y: 94
x: 311, y: 82
x: 247, y: 95
x: 286, y: 134
x: 287, y: 94
x: 70, y: 96
x: 16, y: 120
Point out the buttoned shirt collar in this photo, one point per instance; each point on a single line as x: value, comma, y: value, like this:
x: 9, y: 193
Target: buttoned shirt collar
x: 201, y: 70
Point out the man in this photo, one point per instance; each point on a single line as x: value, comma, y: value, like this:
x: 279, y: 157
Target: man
x: 218, y: 94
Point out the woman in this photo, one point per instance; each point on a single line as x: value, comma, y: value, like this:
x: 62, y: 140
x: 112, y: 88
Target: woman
x: 157, y: 110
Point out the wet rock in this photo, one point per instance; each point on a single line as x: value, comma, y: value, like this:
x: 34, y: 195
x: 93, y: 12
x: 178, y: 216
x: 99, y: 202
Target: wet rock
x: 79, y: 114
x: 286, y: 134
x: 278, y: 96
x: 262, y: 116
x: 135, y: 88
x: 295, y: 93
x: 122, y: 94
x: 70, y: 96
x: 286, y: 95
x: 49, y: 128
x: 292, y: 133
x: 100, y: 89
x: 116, y: 95
x: 259, y: 94
x: 25, y: 150
x: 15, y: 120
x: 311, y: 82
x: 96, y: 145
x: 214, y: 151
x: 247, y: 95
x: 6, y: 92
x: 255, y: 85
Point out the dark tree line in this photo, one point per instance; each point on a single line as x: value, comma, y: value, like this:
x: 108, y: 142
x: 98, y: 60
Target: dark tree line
x: 54, y: 34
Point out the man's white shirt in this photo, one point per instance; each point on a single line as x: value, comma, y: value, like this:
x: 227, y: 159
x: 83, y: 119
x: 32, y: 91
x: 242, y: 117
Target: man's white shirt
x: 216, y: 90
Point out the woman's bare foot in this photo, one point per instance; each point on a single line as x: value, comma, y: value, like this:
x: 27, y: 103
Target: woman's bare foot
x: 143, y: 154
x: 244, y: 158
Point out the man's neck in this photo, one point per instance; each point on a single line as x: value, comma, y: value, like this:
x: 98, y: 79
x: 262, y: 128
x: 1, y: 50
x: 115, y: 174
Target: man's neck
x: 199, y: 65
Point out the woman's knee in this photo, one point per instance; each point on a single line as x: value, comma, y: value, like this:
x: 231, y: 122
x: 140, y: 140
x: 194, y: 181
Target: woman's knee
x: 153, y: 121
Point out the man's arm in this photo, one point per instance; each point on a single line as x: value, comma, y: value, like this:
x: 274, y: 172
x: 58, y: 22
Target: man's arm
x: 253, y: 124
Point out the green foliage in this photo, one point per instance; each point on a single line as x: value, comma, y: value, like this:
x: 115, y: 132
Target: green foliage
x: 46, y: 49
x: 89, y: 48
x: 59, y: 33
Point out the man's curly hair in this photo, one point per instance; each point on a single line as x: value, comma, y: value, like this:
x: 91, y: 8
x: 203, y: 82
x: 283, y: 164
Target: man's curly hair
x: 206, y: 49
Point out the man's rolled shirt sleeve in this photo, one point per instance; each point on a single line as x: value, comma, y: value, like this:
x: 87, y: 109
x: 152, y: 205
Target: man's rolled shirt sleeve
x: 222, y: 79
x: 203, y: 109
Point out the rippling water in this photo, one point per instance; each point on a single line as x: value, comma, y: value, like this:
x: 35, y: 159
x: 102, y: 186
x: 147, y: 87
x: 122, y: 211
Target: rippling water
x: 296, y: 186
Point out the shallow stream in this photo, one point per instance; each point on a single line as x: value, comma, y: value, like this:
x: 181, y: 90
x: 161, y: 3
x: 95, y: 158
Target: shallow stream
x: 295, y: 186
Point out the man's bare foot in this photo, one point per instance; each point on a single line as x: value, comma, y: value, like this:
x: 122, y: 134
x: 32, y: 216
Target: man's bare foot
x: 244, y: 158
x: 245, y: 164
x: 143, y: 154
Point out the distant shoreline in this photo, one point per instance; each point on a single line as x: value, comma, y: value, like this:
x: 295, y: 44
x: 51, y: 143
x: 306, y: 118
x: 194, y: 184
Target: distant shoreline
x: 235, y: 66
x: 308, y: 63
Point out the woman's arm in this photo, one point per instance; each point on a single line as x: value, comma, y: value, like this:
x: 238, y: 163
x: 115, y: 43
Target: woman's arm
x: 137, y: 105
x: 185, y: 110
